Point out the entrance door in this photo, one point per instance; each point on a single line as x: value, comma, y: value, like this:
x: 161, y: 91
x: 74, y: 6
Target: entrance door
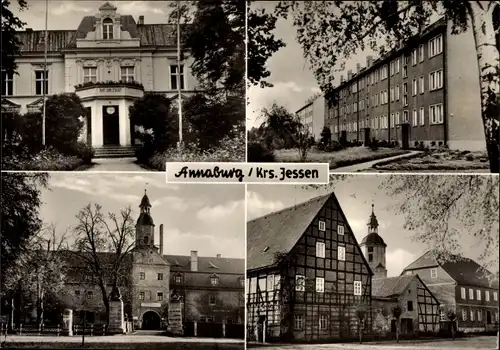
x: 488, y: 317
x: 405, y: 135
x: 88, y: 120
x: 110, y: 125
x: 367, y: 136
x: 151, y: 321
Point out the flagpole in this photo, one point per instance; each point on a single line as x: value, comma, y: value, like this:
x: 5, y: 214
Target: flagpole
x: 44, y: 71
x: 179, y: 99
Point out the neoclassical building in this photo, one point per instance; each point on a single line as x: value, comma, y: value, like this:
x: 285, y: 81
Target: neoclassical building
x: 109, y: 61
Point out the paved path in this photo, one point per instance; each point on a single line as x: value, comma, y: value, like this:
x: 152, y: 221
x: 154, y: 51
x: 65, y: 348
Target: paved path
x: 115, y: 164
x: 115, y: 339
x: 368, y: 165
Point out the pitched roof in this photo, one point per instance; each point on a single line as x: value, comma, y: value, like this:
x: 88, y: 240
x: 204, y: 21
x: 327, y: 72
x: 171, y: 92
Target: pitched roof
x: 390, y: 287
x: 182, y: 263
x: 463, y: 270
x: 279, y: 231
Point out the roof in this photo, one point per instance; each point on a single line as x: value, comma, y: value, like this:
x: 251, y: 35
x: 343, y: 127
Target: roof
x: 373, y: 238
x: 279, y: 231
x: 390, y: 287
x: 145, y: 219
x: 182, y: 263
x: 463, y: 270
x: 145, y: 201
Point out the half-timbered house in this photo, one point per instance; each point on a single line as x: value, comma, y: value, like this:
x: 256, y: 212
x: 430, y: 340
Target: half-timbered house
x: 307, y: 279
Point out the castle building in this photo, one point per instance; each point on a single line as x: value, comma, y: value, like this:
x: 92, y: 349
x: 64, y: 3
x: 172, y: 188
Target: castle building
x: 307, y: 278
x: 424, y: 93
x: 109, y: 61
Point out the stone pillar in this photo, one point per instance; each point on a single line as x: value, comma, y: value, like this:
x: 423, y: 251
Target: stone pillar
x: 79, y: 72
x: 137, y: 70
x: 175, y: 326
x: 195, y: 328
x: 116, y: 314
x: 67, y: 323
x: 223, y: 329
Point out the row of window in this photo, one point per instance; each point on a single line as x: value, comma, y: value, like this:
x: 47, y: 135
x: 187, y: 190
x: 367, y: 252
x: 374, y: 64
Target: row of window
x: 159, y: 296
x: 89, y: 75
x: 434, y: 47
x: 470, y: 315
x: 214, y: 280
x: 300, y: 285
x: 463, y: 294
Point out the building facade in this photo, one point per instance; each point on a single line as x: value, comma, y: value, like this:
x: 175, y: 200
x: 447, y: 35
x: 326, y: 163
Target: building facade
x: 306, y: 275
x: 461, y: 286
x: 212, y: 288
x: 109, y: 61
x: 311, y: 115
x: 425, y: 93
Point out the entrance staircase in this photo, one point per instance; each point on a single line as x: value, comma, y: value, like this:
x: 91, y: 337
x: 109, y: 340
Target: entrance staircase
x: 115, y: 152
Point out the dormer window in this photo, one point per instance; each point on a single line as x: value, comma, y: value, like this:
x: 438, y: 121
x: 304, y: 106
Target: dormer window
x: 214, y: 280
x: 107, y: 29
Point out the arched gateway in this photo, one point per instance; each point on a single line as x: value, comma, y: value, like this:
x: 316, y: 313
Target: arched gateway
x: 151, y: 321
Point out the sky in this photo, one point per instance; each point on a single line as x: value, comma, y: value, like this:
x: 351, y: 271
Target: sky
x: 195, y: 217
x: 355, y: 195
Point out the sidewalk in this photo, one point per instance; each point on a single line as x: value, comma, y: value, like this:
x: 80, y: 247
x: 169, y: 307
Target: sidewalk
x: 115, y: 164
x: 369, y: 165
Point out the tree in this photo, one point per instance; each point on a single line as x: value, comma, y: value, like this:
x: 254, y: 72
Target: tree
x: 396, y: 313
x: 10, y: 43
x: 279, y: 127
x: 332, y: 32
x: 302, y: 140
x: 361, y: 311
x: 152, y: 112
x: 452, y: 317
x: 104, y: 244
x: 262, y: 44
x: 326, y: 136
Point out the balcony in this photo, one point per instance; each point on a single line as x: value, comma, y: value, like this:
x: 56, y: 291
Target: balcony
x: 109, y: 89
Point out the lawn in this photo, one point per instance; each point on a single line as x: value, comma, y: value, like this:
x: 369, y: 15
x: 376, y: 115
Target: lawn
x: 345, y: 157
x: 440, y: 160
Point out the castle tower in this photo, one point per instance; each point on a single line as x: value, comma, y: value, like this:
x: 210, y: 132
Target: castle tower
x: 373, y: 247
x: 144, y: 228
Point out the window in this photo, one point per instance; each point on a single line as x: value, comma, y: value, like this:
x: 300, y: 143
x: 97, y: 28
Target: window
x: 40, y: 84
x: 435, y: 46
x: 397, y: 92
x: 341, y: 253
x: 415, y: 118
x: 8, y: 84
x: 320, y: 250
x: 414, y: 57
x: 479, y: 315
x: 320, y: 284
x: 392, y: 68
x: 495, y: 296
x: 405, y: 117
x: 405, y: 100
x: 436, y: 114
x: 340, y: 229
x: 405, y: 71
x: 211, y: 300
x: 471, y: 294
x: 177, y: 279
x: 478, y: 294
x: 322, y: 226
x: 323, y: 322
x: 422, y: 116
x: 127, y: 74
x: 397, y: 119
x: 90, y: 294
x: 462, y: 293
x: 436, y: 80
x: 442, y: 317
x: 405, y: 88
x: 415, y: 87
x: 174, y: 75
x: 486, y: 295
x: 357, y: 288
x: 214, y: 280
x: 159, y: 296
x: 300, y: 283
x: 392, y: 94
x: 464, y: 315
x: 392, y: 119
x: 160, y: 277
x: 298, y: 321
x: 370, y: 257
x: 422, y: 86
x: 142, y: 275
x: 409, y: 307
x: 421, y: 53
x: 146, y: 240
x: 472, y: 315
x: 89, y: 74
x: 107, y: 29
x: 397, y: 65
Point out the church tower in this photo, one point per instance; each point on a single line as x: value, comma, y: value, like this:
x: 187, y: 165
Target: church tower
x: 373, y: 247
x: 145, y: 227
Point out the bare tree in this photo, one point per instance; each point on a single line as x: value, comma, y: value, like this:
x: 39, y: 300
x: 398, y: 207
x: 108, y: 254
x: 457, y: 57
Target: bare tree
x: 103, y: 243
x: 302, y: 139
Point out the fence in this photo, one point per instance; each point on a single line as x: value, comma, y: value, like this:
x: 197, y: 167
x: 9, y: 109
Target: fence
x: 57, y: 330
x: 214, y: 330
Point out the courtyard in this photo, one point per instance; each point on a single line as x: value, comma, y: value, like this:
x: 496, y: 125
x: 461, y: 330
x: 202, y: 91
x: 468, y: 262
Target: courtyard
x: 476, y: 343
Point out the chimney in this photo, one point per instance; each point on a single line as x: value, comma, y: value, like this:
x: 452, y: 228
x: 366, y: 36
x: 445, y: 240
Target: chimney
x: 194, y: 260
x: 358, y: 67
x: 141, y: 21
x: 349, y: 74
x: 218, y: 256
x: 341, y: 78
x: 161, y: 239
x: 369, y: 60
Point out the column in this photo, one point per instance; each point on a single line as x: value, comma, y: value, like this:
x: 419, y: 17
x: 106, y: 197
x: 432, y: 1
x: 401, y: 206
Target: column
x: 79, y: 72
x: 116, y: 68
x: 100, y: 70
x: 137, y: 70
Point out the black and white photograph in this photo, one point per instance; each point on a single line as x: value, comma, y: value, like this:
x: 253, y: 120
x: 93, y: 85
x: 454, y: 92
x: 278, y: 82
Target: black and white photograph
x: 380, y: 259
x: 121, y: 261
x: 123, y: 85
x: 375, y: 86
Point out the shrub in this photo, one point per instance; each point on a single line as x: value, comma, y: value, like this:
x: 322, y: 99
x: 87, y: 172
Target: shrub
x: 334, y: 146
x: 257, y: 153
x: 84, y: 151
x: 469, y: 157
x: 374, y: 144
x: 47, y: 159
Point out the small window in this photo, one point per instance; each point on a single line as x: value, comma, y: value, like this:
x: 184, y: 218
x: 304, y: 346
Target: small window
x: 341, y: 253
x: 478, y: 294
x: 486, y: 295
x: 320, y: 284
x: 159, y: 296
x: 479, y: 315
x: 141, y: 295
x: 463, y: 293
x: 320, y: 250
x: 107, y: 29
x: 177, y: 279
x: 433, y: 273
x: 357, y: 288
x: 214, y: 280
x: 340, y: 229
x: 300, y: 283
x: 464, y: 315
x: 495, y: 296
x: 8, y: 81
x: 421, y: 53
x: 370, y: 257
x: 472, y: 315
x: 322, y: 226
x: 298, y: 321
x: 410, y: 305
x: 323, y: 322
x: 90, y: 294
x: 160, y: 277
x: 211, y: 300
x: 471, y: 294
x: 142, y: 275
